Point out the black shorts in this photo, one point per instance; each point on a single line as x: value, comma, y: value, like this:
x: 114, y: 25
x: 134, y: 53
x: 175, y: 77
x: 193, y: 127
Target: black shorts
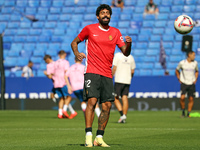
x: 98, y: 86
x: 189, y: 89
x: 121, y: 89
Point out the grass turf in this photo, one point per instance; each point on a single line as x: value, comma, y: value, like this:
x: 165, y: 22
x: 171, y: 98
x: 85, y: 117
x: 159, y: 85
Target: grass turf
x: 148, y: 130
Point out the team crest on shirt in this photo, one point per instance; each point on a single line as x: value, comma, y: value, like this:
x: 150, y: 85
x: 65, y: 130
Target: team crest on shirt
x: 110, y: 37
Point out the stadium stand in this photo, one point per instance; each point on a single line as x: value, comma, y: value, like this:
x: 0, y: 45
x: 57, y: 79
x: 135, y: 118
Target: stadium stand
x: 60, y: 21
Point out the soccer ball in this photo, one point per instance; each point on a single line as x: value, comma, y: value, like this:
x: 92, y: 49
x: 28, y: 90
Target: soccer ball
x: 183, y: 24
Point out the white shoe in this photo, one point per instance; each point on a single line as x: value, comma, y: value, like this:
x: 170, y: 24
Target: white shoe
x: 122, y: 119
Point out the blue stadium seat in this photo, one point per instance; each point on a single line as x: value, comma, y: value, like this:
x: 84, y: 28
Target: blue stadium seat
x: 128, y: 10
x: 123, y: 31
x: 7, y: 73
x: 77, y: 17
x: 175, y: 58
x: 54, y: 46
x: 57, y: 3
x: 40, y: 17
x: 189, y: 8
x: 29, y: 46
x: 148, y: 23
x: 25, y: 54
x: 79, y: 10
x: 13, y: 53
x: 178, y: 37
x: 32, y: 38
x: 94, y: 3
x: 44, y: 38
x: 85, y: 23
x: 179, y: 2
x: 147, y: 65
x: 157, y: 65
x: 168, y: 44
x: 160, y: 24
x: 43, y: 10
x: 31, y: 10
x: 141, y: 45
x: 16, y: 46
x: 196, y: 37
x: 10, y: 32
x: 52, y: 53
x: 168, y: 38
x: 52, y: 17
x: 145, y: 72
x: 143, y: 38
x: 158, y: 72
x: 43, y: 66
x: 109, y: 2
x: 150, y: 17
x: 137, y: 17
x: 45, y: 3
x: 21, y: 3
x: 10, y: 61
x: 154, y: 44
x: 67, y: 10
x: 158, y: 30
x: 164, y: 9
x: 25, y: 24
x: 133, y: 31
x: 58, y: 31
x: 177, y: 8
x: 4, y: 17
x: 22, y: 31
x: 123, y: 24
x: 197, y: 8
x: 15, y: 17
x: 40, y: 73
x: 22, y: 61
x: 177, y: 52
x: 125, y: 17
x: 90, y: 17
x: 155, y: 38
x: 190, y: 2
x: 142, y: 3
x: 33, y: 3
x: 91, y: 9
x: 6, y: 10
x: 35, y: 31
x: 149, y: 59
x: 166, y: 3
x: 62, y: 25
x: 82, y: 3
x: 55, y: 10
x: 177, y: 45
x: 130, y: 3
x: 173, y: 16
x: 69, y: 3
x: 50, y: 24
x: 74, y: 25
x: 7, y: 38
x: 163, y: 16
x: 13, y: 25
x: 139, y: 52
x: 41, y: 46
x: 65, y: 17
x: 19, y: 38
x: 9, y: 3
x: 36, y: 59
x: 169, y: 31
x: 38, y: 53
x: 152, y: 52
x: 56, y: 38
x: 139, y: 9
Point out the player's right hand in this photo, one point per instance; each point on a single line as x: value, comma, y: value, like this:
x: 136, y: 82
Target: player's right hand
x: 80, y: 56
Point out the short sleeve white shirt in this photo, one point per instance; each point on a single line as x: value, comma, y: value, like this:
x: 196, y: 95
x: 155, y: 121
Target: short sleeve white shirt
x: 187, y: 75
x: 124, y: 67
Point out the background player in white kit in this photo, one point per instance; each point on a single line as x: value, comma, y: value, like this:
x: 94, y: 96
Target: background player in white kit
x: 123, y: 69
x: 188, y: 78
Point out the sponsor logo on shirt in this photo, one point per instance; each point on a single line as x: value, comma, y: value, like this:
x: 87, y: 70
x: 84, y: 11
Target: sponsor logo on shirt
x: 110, y: 37
x: 121, y: 38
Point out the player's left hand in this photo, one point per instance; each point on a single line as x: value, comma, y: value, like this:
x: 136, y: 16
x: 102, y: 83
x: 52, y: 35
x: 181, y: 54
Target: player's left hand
x: 128, y: 39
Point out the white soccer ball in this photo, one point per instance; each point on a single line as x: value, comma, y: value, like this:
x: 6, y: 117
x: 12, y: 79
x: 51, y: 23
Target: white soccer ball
x: 183, y: 24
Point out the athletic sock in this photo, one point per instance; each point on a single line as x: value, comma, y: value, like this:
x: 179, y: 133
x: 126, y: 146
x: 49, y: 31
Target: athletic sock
x: 71, y: 109
x: 121, y: 113
x: 60, y: 111
x: 65, y: 107
x: 183, y: 112
x: 188, y: 114
x: 98, y: 112
x: 88, y: 131
x: 83, y: 106
x: 100, y: 133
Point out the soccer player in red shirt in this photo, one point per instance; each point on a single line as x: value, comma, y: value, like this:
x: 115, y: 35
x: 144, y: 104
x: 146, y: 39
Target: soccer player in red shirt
x: 101, y: 40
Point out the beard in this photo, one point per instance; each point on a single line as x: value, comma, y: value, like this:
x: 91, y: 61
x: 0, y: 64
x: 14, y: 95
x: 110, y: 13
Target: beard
x: 105, y: 23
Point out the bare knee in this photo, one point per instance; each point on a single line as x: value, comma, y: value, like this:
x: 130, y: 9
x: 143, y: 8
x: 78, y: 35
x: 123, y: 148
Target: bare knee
x: 92, y: 103
x: 106, y: 106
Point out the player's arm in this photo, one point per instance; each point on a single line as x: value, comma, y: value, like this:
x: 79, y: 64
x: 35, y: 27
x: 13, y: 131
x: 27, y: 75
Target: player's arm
x: 74, y: 46
x: 178, y: 75
x: 126, y: 49
x: 68, y: 85
x: 114, y: 70
x: 132, y: 72
x: 196, y: 76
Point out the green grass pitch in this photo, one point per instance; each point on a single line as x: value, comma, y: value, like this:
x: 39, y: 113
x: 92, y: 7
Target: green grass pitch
x: 148, y: 130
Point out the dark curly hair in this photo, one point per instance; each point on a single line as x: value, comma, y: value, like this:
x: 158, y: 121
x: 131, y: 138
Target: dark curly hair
x: 103, y: 6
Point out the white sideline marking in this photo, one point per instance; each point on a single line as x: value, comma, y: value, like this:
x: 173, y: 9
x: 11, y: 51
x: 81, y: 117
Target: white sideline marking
x: 124, y: 129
